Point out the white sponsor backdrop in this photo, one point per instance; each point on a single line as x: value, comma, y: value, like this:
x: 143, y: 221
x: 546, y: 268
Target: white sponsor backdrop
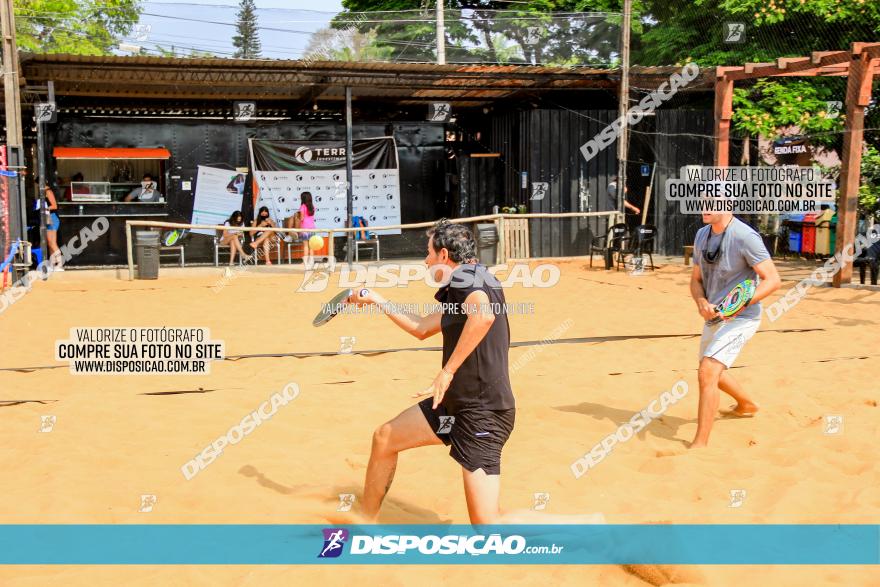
x: 376, y: 195
x: 214, y: 203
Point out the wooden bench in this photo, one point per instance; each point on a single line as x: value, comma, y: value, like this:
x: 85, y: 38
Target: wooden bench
x: 688, y: 253
x: 514, y: 240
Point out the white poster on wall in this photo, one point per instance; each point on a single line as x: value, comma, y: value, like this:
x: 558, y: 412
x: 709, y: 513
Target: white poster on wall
x: 285, y: 169
x: 218, y: 195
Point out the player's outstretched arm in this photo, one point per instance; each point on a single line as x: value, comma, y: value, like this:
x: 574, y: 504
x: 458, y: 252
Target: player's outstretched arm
x: 419, y: 326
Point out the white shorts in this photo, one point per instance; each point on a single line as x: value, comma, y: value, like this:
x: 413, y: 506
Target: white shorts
x: 724, y: 341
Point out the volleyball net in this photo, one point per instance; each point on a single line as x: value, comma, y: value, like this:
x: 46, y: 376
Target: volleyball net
x: 499, y: 238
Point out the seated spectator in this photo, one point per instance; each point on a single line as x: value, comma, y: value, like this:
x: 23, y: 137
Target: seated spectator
x: 261, y: 238
x: 232, y: 237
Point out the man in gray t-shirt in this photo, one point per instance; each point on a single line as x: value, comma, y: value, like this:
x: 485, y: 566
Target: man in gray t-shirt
x: 611, y: 199
x: 728, y: 270
x: 726, y: 252
x: 147, y: 191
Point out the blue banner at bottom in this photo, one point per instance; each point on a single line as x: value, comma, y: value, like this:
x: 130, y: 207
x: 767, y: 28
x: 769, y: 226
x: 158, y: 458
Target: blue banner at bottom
x: 222, y: 544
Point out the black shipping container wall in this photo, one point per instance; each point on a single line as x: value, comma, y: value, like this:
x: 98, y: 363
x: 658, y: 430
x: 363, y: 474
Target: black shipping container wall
x: 192, y: 143
x: 479, y: 186
x: 684, y: 137
x: 542, y: 143
x: 545, y: 144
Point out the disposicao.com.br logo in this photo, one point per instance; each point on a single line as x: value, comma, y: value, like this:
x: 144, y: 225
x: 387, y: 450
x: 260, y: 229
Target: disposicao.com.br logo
x: 317, y: 275
x: 431, y: 544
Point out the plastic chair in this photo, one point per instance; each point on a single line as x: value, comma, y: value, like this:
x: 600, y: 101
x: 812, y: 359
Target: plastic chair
x: 640, y: 243
x: 616, y: 242
x: 364, y: 238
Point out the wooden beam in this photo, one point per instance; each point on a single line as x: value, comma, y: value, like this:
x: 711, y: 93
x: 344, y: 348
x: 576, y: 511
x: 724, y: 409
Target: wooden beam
x: 859, y: 76
x: 816, y: 56
x: 722, y: 71
x: 864, y: 97
x: 750, y: 67
x: 783, y: 62
x: 792, y: 64
x: 723, y: 112
x: 841, y: 69
x: 871, y: 48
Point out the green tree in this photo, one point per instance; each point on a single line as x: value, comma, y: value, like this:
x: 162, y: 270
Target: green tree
x: 675, y: 30
x: 79, y: 27
x: 247, y: 41
x: 679, y: 30
x: 770, y: 108
x: 490, y: 31
x: 348, y: 44
x: 869, y: 190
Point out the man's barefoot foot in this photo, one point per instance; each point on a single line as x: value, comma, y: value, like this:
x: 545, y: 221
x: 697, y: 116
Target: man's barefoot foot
x: 699, y: 444
x: 742, y: 410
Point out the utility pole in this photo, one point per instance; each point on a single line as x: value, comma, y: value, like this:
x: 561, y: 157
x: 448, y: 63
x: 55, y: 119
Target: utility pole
x: 14, y: 142
x: 623, y: 139
x: 441, y: 35
x: 41, y: 177
x: 349, y: 177
x: 10, y: 76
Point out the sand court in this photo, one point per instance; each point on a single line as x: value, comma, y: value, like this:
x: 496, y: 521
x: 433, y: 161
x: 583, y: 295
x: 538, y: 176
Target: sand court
x: 599, y: 347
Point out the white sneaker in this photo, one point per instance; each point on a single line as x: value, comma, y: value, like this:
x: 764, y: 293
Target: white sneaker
x: 59, y: 268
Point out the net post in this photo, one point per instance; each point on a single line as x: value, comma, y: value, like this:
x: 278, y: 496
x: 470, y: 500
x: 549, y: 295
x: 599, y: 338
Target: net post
x: 501, y: 255
x: 330, y: 248
x: 128, y: 250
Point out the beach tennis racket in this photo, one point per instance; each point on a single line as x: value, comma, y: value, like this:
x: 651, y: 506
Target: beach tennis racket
x: 334, y: 306
x: 172, y: 237
x: 735, y: 301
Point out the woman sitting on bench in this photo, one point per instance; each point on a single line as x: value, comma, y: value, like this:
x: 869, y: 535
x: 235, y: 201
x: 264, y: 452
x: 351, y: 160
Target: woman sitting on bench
x: 263, y: 239
x: 232, y: 237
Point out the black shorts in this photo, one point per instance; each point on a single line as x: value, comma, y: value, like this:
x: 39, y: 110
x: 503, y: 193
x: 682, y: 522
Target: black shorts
x: 476, y: 436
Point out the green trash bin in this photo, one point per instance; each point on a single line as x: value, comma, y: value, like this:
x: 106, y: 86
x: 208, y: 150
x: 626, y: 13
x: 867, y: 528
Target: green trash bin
x: 146, y: 245
x: 833, y: 234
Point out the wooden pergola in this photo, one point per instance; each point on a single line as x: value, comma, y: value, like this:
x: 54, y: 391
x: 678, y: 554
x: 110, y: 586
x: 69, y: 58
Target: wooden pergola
x: 859, y: 65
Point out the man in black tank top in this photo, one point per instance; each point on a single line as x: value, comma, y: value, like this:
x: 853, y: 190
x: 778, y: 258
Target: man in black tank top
x: 470, y: 407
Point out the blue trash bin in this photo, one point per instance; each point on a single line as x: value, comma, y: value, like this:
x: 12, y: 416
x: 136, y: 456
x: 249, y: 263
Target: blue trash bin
x: 795, y: 232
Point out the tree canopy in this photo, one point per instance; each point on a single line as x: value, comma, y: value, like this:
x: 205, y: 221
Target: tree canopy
x: 247, y: 40
x: 79, y: 27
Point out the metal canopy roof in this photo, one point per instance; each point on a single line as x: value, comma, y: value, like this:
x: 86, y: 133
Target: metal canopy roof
x: 306, y: 81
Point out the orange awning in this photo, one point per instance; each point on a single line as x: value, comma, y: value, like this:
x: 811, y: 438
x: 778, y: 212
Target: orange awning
x: 100, y: 153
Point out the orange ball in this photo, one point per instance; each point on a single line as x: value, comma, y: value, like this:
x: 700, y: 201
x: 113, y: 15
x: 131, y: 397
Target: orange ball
x: 316, y: 243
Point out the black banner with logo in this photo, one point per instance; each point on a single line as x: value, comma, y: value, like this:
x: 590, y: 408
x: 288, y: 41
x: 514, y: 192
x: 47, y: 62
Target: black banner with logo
x: 272, y: 155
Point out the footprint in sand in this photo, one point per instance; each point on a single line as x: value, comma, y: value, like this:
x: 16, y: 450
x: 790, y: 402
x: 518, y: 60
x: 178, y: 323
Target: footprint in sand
x: 312, y: 491
x: 670, y: 452
x: 657, y: 467
x: 666, y: 574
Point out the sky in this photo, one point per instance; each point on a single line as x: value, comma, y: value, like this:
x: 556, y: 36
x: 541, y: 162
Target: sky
x: 206, y: 25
